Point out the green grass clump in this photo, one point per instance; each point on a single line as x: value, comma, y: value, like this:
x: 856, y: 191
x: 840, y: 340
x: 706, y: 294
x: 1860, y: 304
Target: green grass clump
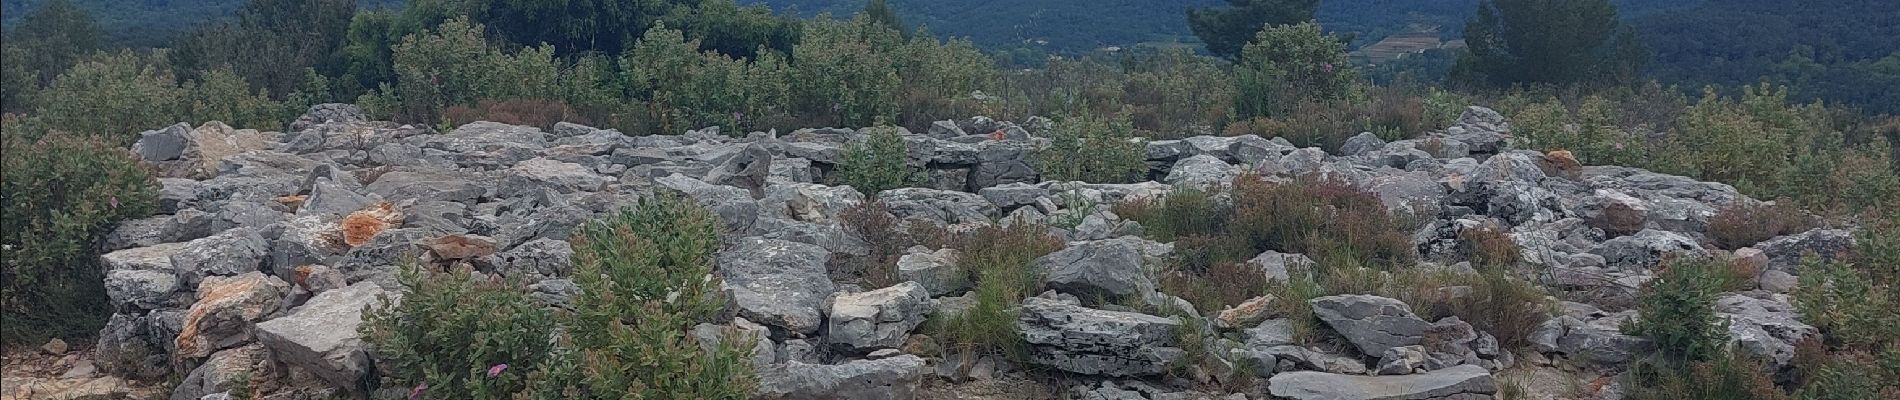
x: 999, y: 260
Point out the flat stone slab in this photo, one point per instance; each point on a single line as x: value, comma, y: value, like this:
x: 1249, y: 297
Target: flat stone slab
x: 1464, y: 382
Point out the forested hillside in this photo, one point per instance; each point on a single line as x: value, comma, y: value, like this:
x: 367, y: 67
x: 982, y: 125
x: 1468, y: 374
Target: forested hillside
x: 1842, y: 51
x: 146, y: 22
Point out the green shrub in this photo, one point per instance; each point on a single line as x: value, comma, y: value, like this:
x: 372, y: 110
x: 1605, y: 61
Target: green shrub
x: 999, y: 260
x: 1675, y: 312
x: 1287, y: 65
x: 1443, y: 107
x: 222, y: 95
x: 703, y: 89
x: 451, y: 329
x: 879, y: 162
x: 1507, y: 308
x: 646, y: 278
x: 454, y: 64
x: 1854, y: 376
x: 1094, y: 149
x: 63, y: 192
x: 114, y: 96
x: 847, y: 72
x: 1174, y: 93
x: 1850, y: 306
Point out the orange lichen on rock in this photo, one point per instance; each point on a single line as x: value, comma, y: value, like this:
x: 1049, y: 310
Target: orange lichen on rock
x: 461, y: 247
x: 294, y: 202
x: 1563, y: 163
x: 361, y: 226
x: 223, y: 304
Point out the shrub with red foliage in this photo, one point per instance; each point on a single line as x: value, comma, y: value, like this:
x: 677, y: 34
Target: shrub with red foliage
x: 1323, y: 218
x: 1743, y: 225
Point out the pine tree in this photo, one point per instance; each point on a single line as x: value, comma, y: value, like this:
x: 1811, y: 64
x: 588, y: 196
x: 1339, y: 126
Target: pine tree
x: 1227, y: 30
x: 1548, y: 41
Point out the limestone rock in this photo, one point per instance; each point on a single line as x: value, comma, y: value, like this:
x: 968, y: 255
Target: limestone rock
x: 1097, y: 342
x: 876, y: 319
x: 1461, y: 382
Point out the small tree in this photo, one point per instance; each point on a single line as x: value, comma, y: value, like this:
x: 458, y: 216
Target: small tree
x: 1674, y: 311
x: 1548, y: 41
x: 1287, y: 65
x: 1096, y: 149
x: 881, y: 13
x: 879, y: 162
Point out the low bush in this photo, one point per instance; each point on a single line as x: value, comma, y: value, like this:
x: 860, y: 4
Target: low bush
x: 1328, y: 220
x: 1508, y: 308
x: 1183, y: 212
x: 113, y: 96
x: 1726, y: 375
x: 1490, y: 248
x: 1743, y: 225
x: 1675, y: 311
x: 879, y: 162
x: 646, y: 278
x: 1852, y: 376
x: 63, y: 192
x: 872, y: 221
x: 527, y: 112
x: 1219, y: 286
x: 1849, y: 306
x: 463, y: 336
x: 222, y: 95
x: 1095, y: 149
x: 1000, y: 261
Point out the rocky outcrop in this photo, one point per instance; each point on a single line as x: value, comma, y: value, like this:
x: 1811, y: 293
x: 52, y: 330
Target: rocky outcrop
x: 268, y: 245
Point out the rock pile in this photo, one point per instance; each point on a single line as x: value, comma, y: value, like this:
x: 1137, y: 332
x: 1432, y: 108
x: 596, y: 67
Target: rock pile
x: 270, y: 245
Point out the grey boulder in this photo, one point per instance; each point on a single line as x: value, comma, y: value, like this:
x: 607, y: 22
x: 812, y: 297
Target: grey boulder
x: 876, y: 319
x: 894, y: 378
x: 321, y: 336
x: 937, y: 271
x: 1371, y: 323
x: 777, y: 283
x: 1097, y: 342
x: 1103, y: 268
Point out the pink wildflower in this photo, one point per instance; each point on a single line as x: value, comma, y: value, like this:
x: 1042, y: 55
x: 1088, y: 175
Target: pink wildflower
x: 416, y: 393
x: 496, y: 370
